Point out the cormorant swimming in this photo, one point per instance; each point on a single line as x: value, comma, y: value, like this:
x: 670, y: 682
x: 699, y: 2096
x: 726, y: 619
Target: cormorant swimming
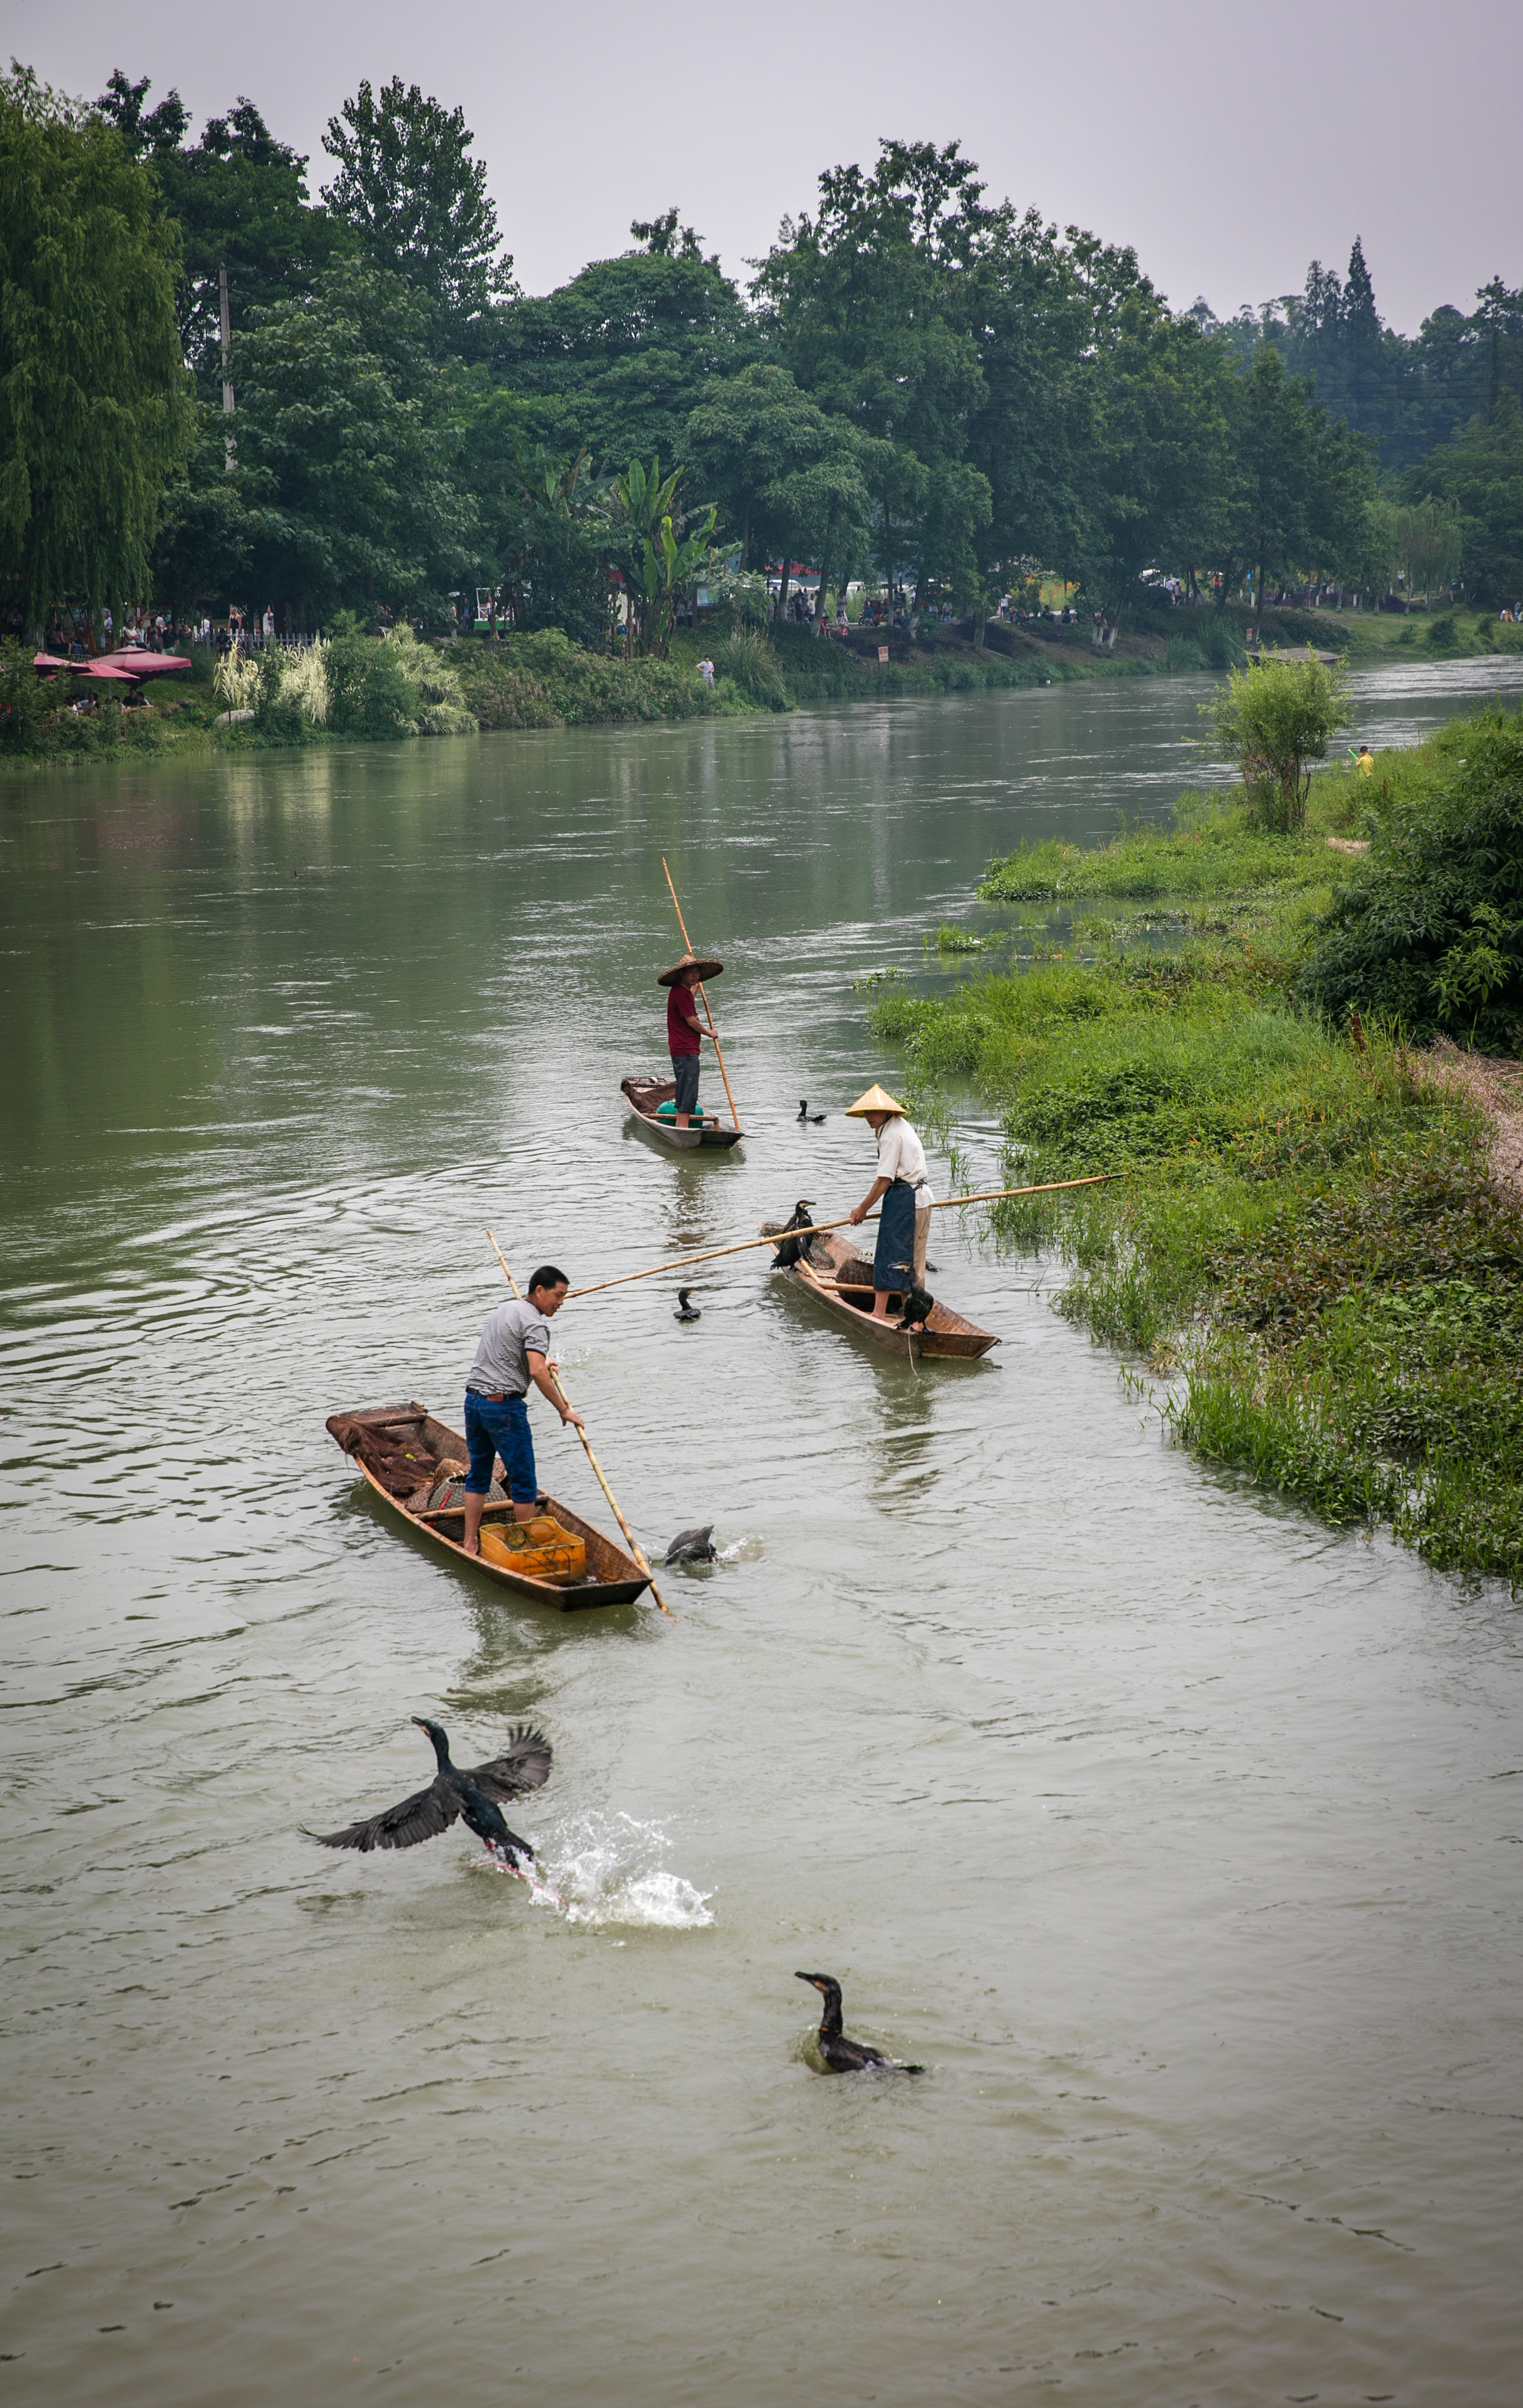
x: 692, y: 1547
x: 805, y: 1115
x: 791, y: 1249
x: 838, y: 2054
x: 686, y: 1311
x: 454, y: 1793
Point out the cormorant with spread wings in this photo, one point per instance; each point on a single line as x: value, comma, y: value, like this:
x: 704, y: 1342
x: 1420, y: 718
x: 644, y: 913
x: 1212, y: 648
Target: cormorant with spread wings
x: 455, y: 1795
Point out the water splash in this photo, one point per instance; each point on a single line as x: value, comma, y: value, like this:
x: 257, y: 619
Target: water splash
x: 611, y: 1869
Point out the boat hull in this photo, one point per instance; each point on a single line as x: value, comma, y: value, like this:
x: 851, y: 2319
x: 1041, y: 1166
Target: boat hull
x: 614, y: 1578
x: 947, y: 1337
x: 644, y: 1095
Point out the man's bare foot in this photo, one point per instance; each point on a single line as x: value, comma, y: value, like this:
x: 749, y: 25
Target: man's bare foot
x: 470, y: 1546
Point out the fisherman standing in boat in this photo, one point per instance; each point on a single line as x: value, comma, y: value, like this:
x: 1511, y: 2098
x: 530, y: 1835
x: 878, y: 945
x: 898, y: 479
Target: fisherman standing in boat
x: 515, y: 1349
x: 685, y: 1031
x: 905, y: 1191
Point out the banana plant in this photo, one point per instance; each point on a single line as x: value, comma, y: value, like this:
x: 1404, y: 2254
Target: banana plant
x: 666, y: 558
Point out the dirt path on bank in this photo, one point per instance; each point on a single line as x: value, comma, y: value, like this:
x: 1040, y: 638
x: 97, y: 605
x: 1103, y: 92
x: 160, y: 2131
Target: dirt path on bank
x: 1497, y: 1087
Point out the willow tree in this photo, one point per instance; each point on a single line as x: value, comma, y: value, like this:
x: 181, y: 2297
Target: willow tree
x: 95, y: 408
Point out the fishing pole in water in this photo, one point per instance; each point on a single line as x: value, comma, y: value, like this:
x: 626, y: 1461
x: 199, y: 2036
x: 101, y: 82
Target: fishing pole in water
x: 819, y: 1228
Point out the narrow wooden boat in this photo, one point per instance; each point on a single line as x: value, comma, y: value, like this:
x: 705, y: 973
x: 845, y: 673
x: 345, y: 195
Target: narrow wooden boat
x: 645, y: 1097
x: 400, y: 1437
x: 836, y: 1276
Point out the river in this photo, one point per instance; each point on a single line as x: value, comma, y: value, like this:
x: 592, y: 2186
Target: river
x: 1172, y: 1833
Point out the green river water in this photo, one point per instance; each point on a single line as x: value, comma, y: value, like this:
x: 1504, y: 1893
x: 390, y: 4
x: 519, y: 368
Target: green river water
x: 1178, y: 1837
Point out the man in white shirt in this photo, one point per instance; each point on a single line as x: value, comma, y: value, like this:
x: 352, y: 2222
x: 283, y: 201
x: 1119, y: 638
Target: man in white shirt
x: 904, y: 1191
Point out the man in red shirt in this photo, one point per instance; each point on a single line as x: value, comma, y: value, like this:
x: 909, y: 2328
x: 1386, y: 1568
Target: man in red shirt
x: 685, y: 1031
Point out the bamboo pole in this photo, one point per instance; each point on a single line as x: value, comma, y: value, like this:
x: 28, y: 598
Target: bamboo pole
x: 634, y: 1547
x: 989, y: 1196
x: 687, y: 940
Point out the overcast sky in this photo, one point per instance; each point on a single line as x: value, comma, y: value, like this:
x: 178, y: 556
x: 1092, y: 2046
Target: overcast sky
x: 1229, y: 144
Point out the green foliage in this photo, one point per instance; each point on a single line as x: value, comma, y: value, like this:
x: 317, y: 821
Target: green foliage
x: 94, y: 412
x: 545, y: 681
x: 239, y: 199
x: 344, y: 480
x: 1480, y: 476
x: 785, y: 473
x: 545, y: 518
x: 391, y: 686
x: 1221, y: 859
x: 661, y: 561
x: 1301, y: 485
x: 1429, y: 937
x: 1275, y: 718
x: 417, y: 202
x: 750, y: 663
x: 625, y: 352
x: 1304, y: 1234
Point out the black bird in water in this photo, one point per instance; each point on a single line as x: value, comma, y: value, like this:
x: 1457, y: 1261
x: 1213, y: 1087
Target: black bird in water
x: 692, y: 1547
x: 686, y: 1311
x: 454, y: 1794
x: 840, y: 2055
x: 791, y: 1249
x: 805, y: 1115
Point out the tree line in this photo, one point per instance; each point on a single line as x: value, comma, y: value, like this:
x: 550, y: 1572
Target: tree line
x: 919, y: 384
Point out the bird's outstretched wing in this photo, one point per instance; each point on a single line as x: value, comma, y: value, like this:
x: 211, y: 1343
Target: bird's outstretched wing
x: 524, y: 1764
x: 422, y: 1817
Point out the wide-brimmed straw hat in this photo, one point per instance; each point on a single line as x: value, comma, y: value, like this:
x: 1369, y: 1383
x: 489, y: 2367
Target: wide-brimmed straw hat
x: 706, y: 970
x: 875, y: 1100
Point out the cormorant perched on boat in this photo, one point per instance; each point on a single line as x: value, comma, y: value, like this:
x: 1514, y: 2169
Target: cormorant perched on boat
x: 454, y: 1794
x: 686, y: 1311
x: 805, y: 1115
x: 838, y: 2054
x: 692, y: 1547
x: 918, y: 1302
x: 790, y: 1251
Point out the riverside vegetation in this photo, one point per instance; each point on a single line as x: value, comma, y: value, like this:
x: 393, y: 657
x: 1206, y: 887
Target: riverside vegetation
x: 1309, y: 1242
x: 921, y: 385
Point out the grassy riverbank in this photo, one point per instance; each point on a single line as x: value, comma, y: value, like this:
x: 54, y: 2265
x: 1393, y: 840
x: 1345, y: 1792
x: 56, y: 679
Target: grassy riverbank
x: 545, y: 681
x: 1307, y: 1243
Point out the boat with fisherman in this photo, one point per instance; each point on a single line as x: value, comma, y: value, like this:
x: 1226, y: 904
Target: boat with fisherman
x: 415, y: 1464
x: 654, y: 1104
x: 831, y: 1272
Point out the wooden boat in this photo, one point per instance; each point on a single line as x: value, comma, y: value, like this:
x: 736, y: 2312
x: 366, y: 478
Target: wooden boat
x: 645, y: 1095
x: 842, y: 1279
x: 408, y: 1433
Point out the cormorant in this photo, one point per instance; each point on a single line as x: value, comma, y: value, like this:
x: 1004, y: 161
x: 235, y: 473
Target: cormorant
x: 919, y: 1303
x: 452, y: 1794
x: 686, y: 1311
x: 805, y: 1115
x: 840, y: 2055
x: 791, y: 1249
x: 692, y: 1547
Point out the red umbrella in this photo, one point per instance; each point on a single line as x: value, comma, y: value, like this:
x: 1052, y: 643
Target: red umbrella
x: 145, y: 663
x: 49, y: 661
x: 99, y: 669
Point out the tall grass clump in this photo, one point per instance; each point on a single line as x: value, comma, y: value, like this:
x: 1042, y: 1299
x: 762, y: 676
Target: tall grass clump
x: 749, y: 661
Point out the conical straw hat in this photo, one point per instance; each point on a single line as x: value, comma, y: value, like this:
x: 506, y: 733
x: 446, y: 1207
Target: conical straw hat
x: 875, y: 1100
x: 706, y: 965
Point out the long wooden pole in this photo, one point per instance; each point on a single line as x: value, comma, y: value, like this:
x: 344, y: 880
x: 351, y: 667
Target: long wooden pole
x: 989, y: 1196
x: 687, y: 940
x: 634, y: 1548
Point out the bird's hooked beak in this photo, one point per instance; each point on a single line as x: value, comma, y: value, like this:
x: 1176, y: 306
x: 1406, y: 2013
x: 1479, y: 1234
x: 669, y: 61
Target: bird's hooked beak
x: 815, y: 1981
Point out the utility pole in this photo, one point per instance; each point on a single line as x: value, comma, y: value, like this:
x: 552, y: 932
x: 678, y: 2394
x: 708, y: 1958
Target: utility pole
x: 230, y: 447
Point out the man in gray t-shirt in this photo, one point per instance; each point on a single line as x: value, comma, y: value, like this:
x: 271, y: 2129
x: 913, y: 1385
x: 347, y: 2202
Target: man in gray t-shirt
x: 514, y: 1351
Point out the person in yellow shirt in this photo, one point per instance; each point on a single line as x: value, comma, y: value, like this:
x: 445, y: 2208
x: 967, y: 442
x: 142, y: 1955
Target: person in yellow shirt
x: 1366, y: 763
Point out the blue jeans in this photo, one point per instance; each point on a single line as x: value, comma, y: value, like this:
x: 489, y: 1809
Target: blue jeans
x: 684, y: 1070
x: 500, y: 1429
